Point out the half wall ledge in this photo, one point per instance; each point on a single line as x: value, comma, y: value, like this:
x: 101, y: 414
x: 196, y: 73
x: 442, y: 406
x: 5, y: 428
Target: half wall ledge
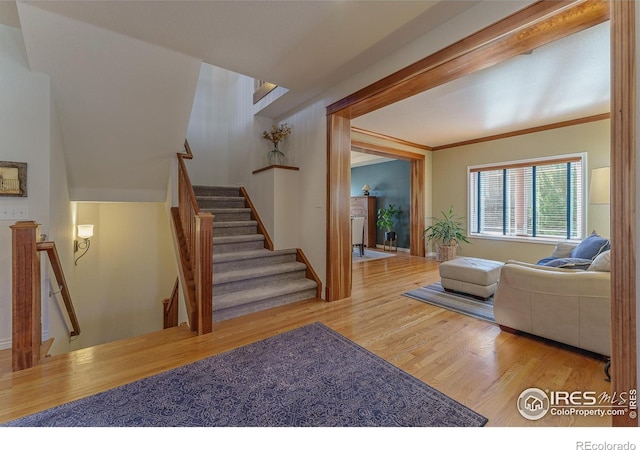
x: 275, y: 166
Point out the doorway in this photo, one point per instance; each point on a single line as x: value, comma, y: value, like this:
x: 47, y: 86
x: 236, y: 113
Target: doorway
x: 417, y: 177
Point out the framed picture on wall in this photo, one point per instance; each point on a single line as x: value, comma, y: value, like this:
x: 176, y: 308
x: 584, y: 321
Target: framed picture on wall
x: 13, y: 179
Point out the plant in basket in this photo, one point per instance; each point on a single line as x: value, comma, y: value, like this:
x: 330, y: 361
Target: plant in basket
x: 446, y: 233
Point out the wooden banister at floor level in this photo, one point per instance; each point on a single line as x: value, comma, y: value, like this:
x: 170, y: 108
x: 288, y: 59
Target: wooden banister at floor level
x: 54, y: 260
x: 170, y: 307
x: 27, y: 347
x: 193, y: 235
x: 26, y: 333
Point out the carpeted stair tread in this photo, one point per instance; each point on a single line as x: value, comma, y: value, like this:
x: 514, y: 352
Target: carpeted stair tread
x: 228, y: 214
x: 234, y: 299
x: 226, y: 210
x: 257, y: 272
x: 231, y: 198
x: 219, y: 202
x: 250, y: 254
x: 236, y: 239
x: 235, y: 223
x: 222, y: 198
x: 225, y: 191
x: 223, y: 228
x: 223, y: 262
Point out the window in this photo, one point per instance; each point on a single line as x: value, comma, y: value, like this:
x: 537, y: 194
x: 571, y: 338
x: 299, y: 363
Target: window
x: 528, y: 199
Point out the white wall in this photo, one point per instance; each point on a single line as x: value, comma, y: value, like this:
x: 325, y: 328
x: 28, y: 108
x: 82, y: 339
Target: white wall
x: 24, y: 137
x: 450, y: 180
x: 208, y: 128
x: 278, y: 197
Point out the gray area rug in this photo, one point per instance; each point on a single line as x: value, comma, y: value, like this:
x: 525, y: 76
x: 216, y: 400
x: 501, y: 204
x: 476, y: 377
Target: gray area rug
x: 307, y: 377
x: 369, y: 255
x: 455, y: 301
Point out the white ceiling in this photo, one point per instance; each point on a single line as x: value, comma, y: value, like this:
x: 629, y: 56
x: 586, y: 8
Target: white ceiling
x: 564, y: 80
x: 122, y: 105
x: 304, y: 46
x: 364, y: 159
x: 9, y: 14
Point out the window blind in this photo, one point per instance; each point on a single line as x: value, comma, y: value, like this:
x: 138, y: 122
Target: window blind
x: 540, y: 199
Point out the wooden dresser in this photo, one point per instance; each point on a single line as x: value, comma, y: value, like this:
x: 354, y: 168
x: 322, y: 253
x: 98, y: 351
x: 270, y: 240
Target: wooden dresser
x: 365, y: 206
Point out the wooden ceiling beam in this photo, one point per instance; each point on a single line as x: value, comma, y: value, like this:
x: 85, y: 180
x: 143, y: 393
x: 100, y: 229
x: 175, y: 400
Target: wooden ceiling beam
x: 526, y: 30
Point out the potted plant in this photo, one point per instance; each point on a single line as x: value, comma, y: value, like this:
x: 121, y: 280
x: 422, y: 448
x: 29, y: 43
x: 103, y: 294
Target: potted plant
x: 446, y: 232
x: 387, y: 219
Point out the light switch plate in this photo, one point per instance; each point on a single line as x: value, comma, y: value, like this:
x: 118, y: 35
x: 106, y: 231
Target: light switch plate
x: 12, y: 213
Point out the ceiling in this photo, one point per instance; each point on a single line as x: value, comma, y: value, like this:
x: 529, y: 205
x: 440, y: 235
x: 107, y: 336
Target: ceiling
x: 564, y: 80
x: 299, y: 45
x: 364, y: 159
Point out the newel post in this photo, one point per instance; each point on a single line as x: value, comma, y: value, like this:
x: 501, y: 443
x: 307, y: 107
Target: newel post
x: 203, y: 272
x: 26, y: 315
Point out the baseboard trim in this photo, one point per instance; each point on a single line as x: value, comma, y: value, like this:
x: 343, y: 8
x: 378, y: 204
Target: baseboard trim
x: 400, y: 249
x: 5, y: 344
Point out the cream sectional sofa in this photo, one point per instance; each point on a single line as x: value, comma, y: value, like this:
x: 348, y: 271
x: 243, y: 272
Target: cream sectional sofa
x: 565, y: 305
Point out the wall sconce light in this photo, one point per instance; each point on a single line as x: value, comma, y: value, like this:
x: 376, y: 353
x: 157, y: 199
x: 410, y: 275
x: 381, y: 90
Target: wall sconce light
x: 85, y: 232
x: 366, y: 188
x: 599, y: 193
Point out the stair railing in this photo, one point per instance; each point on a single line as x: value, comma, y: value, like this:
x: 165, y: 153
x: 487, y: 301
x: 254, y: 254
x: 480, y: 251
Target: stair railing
x: 171, y: 307
x: 63, y: 289
x: 194, y: 234
x: 27, y: 345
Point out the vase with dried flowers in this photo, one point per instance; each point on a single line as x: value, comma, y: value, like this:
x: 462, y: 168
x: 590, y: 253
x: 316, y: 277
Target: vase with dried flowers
x: 277, y: 134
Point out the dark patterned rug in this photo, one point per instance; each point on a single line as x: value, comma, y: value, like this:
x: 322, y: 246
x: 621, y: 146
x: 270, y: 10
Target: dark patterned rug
x: 307, y: 377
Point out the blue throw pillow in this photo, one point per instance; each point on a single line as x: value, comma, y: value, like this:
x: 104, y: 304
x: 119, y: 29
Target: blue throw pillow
x: 544, y: 261
x: 569, y: 263
x: 591, y: 247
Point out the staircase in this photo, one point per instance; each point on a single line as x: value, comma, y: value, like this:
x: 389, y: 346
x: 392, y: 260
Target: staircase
x: 247, y: 276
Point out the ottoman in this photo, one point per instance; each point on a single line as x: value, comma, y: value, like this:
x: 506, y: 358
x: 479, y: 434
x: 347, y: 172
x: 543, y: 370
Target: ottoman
x: 473, y: 276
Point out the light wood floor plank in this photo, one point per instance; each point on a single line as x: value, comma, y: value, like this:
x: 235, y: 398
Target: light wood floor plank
x: 471, y: 360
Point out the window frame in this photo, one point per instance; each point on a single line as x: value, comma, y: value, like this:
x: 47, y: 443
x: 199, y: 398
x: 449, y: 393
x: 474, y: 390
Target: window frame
x: 552, y: 159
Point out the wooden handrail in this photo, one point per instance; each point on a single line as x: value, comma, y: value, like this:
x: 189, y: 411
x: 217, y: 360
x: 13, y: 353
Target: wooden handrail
x: 187, y: 203
x: 26, y: 336
x: 54, y: 260
x: 193, y: 230
x: 171, y: 307
x: 184, y: 268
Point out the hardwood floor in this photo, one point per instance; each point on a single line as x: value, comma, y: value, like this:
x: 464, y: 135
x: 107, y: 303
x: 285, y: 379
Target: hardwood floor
x: 470, y: 360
